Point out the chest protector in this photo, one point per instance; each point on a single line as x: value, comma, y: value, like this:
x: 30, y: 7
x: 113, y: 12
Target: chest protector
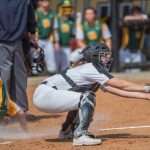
x: 65, y: 30
x: 83, y: 88
x: 45, y: 24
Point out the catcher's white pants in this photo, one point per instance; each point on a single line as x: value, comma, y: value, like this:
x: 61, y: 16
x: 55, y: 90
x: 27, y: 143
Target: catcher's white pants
x: 48, y: 99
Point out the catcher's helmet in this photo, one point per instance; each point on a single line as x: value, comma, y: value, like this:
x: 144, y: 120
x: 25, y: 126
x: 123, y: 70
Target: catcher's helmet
x: 38, y: 58
x: 99, y: 54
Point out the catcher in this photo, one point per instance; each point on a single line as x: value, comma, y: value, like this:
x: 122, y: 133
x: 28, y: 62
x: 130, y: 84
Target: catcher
x: 73, y: 90
x: 9, y: 108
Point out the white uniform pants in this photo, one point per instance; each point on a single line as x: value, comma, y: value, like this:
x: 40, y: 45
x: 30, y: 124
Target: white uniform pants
x: 49, y: 52
x: 50, y: 100
x: 126, y: 57
x: 63, y: 58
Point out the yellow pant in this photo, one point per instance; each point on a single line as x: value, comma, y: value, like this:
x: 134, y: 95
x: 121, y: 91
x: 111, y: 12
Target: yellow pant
x: 13, y: 108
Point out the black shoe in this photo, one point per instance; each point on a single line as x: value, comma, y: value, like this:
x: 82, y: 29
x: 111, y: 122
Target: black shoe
x: 30, y: 117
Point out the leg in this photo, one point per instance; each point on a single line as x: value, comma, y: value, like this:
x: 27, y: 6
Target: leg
x: 48, y: 99
x: 68, y: 126
x: 22, y: 120
x: 19, y: 78
x: 71, y: 117
x: 6, y: 62
x: 50, y: 57
x: 85, y: 115
x: 65, y: 57
x: 15, y: 110
x: 136, y: 58
x: 58, y: 60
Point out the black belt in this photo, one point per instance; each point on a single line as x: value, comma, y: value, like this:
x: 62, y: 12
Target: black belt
x: 45, y: 82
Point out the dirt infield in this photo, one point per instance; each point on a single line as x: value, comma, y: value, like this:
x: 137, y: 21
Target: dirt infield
x: 111, y: 112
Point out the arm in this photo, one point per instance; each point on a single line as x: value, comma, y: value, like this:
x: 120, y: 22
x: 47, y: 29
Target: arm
x: 31, y: 24
x: 81, y: 43
x: 127, y: 94
x: 108, y: 42
x: 130, y: 17
x: 125, y: 38
x: 127, y: 86
x: 80, y: 36
x: 106, y: 35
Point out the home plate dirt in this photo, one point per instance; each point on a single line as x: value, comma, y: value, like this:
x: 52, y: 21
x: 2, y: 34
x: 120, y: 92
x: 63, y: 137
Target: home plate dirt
x: 122, y: 123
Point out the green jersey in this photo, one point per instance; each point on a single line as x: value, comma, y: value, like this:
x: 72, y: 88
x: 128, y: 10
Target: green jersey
x: 65, y: 31
x: 92, y: 33
x: 135, y: 38
x: 45, y: 24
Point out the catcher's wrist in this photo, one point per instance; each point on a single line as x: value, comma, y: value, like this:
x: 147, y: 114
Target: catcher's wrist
x: 147, y: 96
x: 146, y: 88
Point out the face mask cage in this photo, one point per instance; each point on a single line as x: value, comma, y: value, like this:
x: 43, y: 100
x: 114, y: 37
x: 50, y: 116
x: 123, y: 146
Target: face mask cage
x: 38, y: 59
x: 105, y: 59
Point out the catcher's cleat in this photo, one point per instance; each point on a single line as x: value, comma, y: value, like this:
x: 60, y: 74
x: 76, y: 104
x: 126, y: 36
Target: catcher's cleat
x: 86, y: 140
x: 66, y: 135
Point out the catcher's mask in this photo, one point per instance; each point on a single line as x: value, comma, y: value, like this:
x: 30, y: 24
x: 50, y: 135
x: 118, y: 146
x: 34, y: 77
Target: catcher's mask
x: 38, y: 57
x: 99, y: 54
x: 66, y: 7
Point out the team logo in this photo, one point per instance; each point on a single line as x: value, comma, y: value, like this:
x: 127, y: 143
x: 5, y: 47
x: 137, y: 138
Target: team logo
x: 138, y: 34
x: 46, y: 23
x: 65, y: 28
x: 92, y: 35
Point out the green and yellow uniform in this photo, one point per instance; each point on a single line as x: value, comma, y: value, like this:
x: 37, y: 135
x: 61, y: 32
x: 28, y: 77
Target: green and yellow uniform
x: 65, y: 31
x: 132, y: 38
x: 92, y: 33
x: 45, y: 24
x: 7, y: 106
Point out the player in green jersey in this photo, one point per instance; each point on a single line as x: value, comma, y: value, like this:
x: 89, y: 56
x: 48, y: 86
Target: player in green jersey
x: 90, y: 30
x: 64, y: 27
x: 132, y: 41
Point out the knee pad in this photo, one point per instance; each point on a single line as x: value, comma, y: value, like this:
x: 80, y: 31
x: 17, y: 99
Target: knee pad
x: 88, y: 98
x: 85, y: 113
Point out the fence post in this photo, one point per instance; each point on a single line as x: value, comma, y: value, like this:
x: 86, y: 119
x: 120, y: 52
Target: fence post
x: 87, y: 3
x: 115, y: 34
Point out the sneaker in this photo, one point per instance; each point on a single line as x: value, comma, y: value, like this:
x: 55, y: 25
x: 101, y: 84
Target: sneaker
x: 86, y: 140
x: 66, y: 135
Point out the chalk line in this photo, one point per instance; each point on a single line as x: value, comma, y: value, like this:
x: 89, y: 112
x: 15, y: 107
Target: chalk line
x: 4, y: 143
x: 124, y: 128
